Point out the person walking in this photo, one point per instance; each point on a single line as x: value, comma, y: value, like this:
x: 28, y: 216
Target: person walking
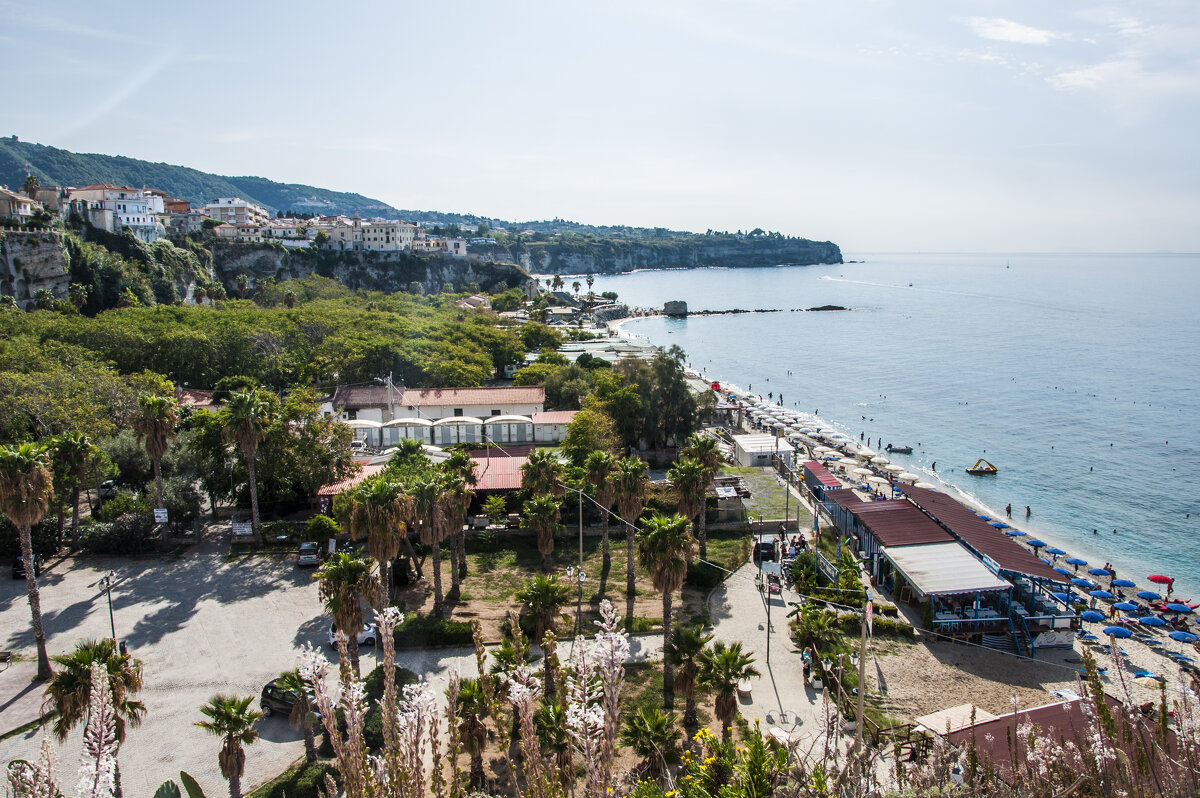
x: 1008, y: 510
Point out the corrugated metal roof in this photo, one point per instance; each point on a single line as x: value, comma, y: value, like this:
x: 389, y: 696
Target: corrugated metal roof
x: 821, y: 474
x: 445, y: 397
x: 898, y: 523
x: 554, y: 417
x: 364, y: 471
x: 498, y: 473
x: 844, y: 498
x: 943, y: 568
x: 979, y: 534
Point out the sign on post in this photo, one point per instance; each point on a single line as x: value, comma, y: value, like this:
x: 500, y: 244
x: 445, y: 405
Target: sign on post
x: 160, y: 515
x: 242, y: 530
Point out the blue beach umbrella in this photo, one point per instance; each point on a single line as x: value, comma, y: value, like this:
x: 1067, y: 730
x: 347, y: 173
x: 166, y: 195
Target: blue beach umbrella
x: 1014, y: 533
x: 1037, y: 544
x: 1183, y: 637
x: 1000, y: 525
x: 1075, y: 561
x: 1179, y: 608
x: 1091, y: 616
x: 1149, y: 595
x: 1125, y: 606
x: 1182, y: 658
x: 1123, y: 583
x: 1100, y: 594
x: 1152, y: 620
x: 1118, y: 631
x: 1055, y: 552
x: 1043, y: 559
x: 1063, y: 597
x: 1099, y: 572
x: 985, y: 517
x: 1080, y: 582
x: 1062, y: 571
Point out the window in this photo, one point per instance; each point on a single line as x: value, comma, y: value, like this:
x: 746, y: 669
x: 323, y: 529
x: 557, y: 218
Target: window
x: 458, y: 411
x: 351, y: 415
x: 495, y: 412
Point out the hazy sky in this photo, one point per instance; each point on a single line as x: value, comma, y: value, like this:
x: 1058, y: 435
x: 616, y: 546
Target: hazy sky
x: 905, y: 125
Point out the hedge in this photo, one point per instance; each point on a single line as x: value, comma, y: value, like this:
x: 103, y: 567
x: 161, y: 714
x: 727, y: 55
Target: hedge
x: 704, y: 576
x: 306, y: 781
x: 425, y: 631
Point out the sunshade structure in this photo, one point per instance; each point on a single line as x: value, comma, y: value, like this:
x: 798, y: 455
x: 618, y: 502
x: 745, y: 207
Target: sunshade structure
x: 880, y: 460
x: 907, y: 476
x: 1100, y: 594
x: 1159, y: 579
x: 1149, y: 595
x: 938, y: 569
x: 1091, y: 616
x: 1052, y: 551
x: 1075, y: 561
x: 1062, y: 571
x: 1183, y: 637
x: 1124, y: 583
x: 1125, y: 606
x: 1099, y: 572
x: 893, y: 468
x: 1014, y: 533
x: 1180, y: 608
x: 1085, y: 583
x: 1152, y: 620
x: 1119, y: 632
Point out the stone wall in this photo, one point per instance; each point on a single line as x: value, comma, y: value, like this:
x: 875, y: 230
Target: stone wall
x: 31, y: 261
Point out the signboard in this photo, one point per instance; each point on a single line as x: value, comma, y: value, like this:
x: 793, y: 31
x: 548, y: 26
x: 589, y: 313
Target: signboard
x: 242, y: 530
x: 160, y: 515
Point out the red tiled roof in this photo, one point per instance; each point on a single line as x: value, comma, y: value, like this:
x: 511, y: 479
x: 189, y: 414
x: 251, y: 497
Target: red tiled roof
x: 554, y: 417
x: 498, y: 473
x: 95, y: 186
x: 821, y: 474
x: 364, y: 471
x: 444, y: 397
x: 898, y: 523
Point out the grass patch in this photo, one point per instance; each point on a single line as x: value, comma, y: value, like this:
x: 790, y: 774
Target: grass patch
x: 767, y: 496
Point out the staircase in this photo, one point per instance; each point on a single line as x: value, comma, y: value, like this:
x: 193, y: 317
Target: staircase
x: 1003, y: 642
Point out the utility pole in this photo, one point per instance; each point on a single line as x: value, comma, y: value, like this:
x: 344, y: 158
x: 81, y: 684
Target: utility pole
x: 862, y: 664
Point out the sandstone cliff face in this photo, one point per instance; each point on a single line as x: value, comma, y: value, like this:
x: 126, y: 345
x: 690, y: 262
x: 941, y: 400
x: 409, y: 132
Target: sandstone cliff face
x: 617, y: 256
x: 377, y: 271
x: 30, y: 261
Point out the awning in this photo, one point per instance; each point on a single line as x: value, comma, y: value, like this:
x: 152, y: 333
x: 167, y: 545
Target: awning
x: 943, y: 569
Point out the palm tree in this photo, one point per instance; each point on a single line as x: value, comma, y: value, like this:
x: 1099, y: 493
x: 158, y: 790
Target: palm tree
x: 301, y: 716
x: 683, y: 650
x: 245, y: 419
x: 345, y: 582
x: 543, y: 597
x: 472, y: 705
x: 598, y: 469
x: 652, y: 735
x: 154, y: 422
x: 76, y: 452
x: 719, y: 669
x: 541, y: 515
x: 26, y: 488
x: 461, y: 467
x: 632, y: 478
x: 542, y: 473
x: 380, y: 511
x: 231, y: 719
x: 70, y: 688
x: 427, y: 497
x: 665, y: 547
x: 550, y: 724
x: 705, y: 450
x: 690, y: 482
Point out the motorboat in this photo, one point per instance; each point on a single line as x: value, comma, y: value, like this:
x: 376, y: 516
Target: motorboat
x: 898, y: 449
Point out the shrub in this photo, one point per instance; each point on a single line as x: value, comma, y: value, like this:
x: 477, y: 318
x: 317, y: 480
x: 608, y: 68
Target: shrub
x: 305, y: 781
x: 129, y: 534
x: 373, y: 724
x: 43, y: 536
x: 425, y: 631
x: 182, y: 501
x: 320, y: 528
x: 124, y: 503
x: 704, y: 576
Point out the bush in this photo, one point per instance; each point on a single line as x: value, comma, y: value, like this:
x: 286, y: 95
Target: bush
x: 305, y: 781
x: 373, y: 724
x: 425, y: 631
x: 124, y: 503
x: 182, y: 501
x: 321, y: 528
x: 704, y: 576
x: 43, y: 536
x: 129, y: 534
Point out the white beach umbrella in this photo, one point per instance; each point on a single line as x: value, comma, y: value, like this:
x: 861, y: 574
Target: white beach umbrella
x: 907, y: 477
x: 926, y: 485
x: 847, y: 460
x: 880, y: 460
x: 893, y: 468
x: 862, y: 472
x: 864, y: 453
x: 877, y: 480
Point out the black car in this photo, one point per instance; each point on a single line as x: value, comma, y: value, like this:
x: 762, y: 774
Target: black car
x: 18, y: 568
x: 276, y: 699
x: 764, y: 551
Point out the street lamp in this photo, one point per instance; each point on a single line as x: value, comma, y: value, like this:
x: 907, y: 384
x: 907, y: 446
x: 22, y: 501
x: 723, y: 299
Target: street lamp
x: 106, y: 583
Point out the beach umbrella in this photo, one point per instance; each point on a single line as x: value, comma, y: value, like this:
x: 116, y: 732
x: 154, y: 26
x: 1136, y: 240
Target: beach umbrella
x: 925, y: 485
x: 1063, y: 571
x: 847, y: 460
x: 983, y: 517
x: 1149, y: 595
x: 877, y: 480
x: 1043, y: 559
x: 865, y: 453
x: 1076, y: 561
x: 1124, y: 583
x: 1152, y: 620
x: 999, y: 525
x: 1035, y: 543
x: 1182, y: 658
x: 1125, y: 606
x: 1183, y: 637
x: 1101, y: 594
x: 862, y: 472
x: 907, y: 476
x: 1015, y: 533
x: 880, y: 460
x: 1147, y: 681
x: 1091, y: 616
x: 1118, y: 631
x: 1178, y: 608
x: 1159, y: 579
x: 893, y: 468
x: 1055, y: 552
x: 1079, y: 582
x: 1099, y: 572
x: 1063, y: 597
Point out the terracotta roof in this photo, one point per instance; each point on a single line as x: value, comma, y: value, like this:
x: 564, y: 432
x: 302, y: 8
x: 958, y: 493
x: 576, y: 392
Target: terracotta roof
x: 95, y: 186
x: 356, y: 396
x: 364, y: 471
x: 898, y: 523
x: 496, y: 396
x: 498, y: 473
x: 554, y: 417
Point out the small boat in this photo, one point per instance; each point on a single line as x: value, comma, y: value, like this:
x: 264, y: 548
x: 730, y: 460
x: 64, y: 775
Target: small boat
x: 898, y: 449
x: 983, y: 468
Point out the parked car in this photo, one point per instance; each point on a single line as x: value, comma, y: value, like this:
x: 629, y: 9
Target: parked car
x: 276, y: 699
x: 18, y: 568
x: 764, y: 551
x: 310, y: 554
x: 366, y: 637
x: 108, y: 490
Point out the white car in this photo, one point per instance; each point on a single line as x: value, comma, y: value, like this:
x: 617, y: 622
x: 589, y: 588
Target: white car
x: 366, y: 637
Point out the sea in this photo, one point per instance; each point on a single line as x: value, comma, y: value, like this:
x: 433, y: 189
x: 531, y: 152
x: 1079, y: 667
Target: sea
x: 1077, y: 375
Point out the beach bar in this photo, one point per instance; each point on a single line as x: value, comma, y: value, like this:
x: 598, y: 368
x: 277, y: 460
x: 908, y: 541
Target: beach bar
x: 964, y: 598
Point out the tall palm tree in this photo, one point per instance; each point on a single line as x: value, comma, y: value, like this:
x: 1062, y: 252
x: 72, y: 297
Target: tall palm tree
x: 541, y: 515
x: 245, y: 419
x: 683, y: 650
x: 472, y: 705
x: 543, y: 597
x: 632, y: 479
x: 154, y: 422
x: 70, y: 688
x: 652, y: 735
x: 665, y: 547
x: 75, y: 451
x: 345, y: 582
x: 461, y: 467
x: 231, y: 719
x: 719, y: 669
x: 598, y: 468
x: 427, y: 499
x: 301, y: 716
x: 705, y: 450
x: 26, y: 488
x: 542, y: 473
x: 690, y: 482
x: 380, y: 511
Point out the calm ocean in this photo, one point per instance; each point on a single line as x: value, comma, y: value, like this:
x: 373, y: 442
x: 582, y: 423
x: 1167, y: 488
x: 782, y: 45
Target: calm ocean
x: 1078, y: 376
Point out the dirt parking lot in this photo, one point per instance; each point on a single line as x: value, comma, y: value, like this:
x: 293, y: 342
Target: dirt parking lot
x: 201, y: 624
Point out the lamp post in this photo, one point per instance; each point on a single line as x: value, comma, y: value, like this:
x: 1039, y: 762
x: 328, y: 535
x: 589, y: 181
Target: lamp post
x: 106, y: 583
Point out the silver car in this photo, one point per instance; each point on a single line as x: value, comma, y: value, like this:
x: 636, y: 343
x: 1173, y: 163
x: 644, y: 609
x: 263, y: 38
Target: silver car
x: 366, y: 637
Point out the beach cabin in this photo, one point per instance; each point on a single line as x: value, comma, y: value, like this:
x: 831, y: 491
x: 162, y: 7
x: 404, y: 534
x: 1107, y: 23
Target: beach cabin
x: 457, y: 429
x: 758, y: 451
x: 509, y: 429
x: 819, y: 480
x: 416, y: 429
x: 876, y: 526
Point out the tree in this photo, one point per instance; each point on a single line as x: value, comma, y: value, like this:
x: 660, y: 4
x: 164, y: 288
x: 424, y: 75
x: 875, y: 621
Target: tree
x: 380, y: 512
x: 598, y: 470
x: 632, y: 479
x: 243, y: 286
x: 231, y: 719
x: 75, y: 452
x: 591, y: 280
x: 345, y: 582
x: 473, y: 707
x: 301, y: 716
x: 31, y: 186
x: 427, y: 499
x: 289, y: 298
x: 543, y: 598
x: 495, y: 508
x: 542, y: 474
x: 77, y: 293
x: 652, y: 735
x: 550, y: 724
x: 589, y: 431
x: 719, y: 669
x: 245, y: 419
x: 557, y: 282
x: 460, y: 477
x: 665, y: 547
x: 541, y: 515
x: 705, y: 450
x: 576, y: 286
x: 154, y: 424
x: 690, y: 482
x: 26, y: 488
x: 687, y: 643
x: 813, y: 627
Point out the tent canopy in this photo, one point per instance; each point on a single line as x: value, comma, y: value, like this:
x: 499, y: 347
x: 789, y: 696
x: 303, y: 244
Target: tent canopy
x: 943, y: 569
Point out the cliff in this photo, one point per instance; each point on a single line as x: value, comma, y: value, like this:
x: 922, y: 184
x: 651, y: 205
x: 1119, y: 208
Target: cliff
x: 374, y: 271
x: 613, y: 256
x: 31, y: 261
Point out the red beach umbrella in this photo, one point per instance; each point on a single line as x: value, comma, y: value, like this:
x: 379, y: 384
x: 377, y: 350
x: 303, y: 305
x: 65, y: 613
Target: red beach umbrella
x: 1160, y: 579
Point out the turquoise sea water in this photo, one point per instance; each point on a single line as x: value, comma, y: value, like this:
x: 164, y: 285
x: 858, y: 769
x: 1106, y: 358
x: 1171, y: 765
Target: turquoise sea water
x: 1077, y: 375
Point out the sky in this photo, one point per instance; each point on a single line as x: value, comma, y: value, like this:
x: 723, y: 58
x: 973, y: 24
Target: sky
x: 905, y: 125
